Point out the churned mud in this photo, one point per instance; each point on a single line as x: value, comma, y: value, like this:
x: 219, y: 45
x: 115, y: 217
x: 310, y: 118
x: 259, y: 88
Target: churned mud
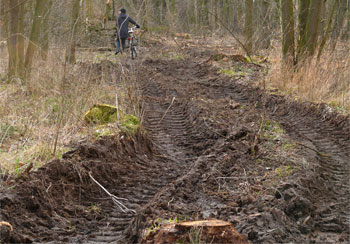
x: 212, y: 147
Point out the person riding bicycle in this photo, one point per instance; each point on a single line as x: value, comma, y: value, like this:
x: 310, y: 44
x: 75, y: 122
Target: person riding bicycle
x: 123, y: 28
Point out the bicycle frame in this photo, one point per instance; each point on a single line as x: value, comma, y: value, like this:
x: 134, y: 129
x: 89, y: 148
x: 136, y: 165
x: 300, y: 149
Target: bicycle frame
x: 132, y: 43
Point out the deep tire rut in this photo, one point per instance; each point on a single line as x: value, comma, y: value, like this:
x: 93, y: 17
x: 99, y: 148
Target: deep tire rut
x: 175, y: 131
x: 325, y: 132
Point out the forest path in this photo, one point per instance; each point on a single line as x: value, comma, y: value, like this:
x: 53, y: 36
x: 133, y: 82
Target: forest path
x: 202, y: 155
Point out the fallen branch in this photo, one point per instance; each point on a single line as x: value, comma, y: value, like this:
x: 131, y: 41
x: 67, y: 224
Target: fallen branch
x: 167, y: 110
x: 316, y: 151
x: 114, y: 198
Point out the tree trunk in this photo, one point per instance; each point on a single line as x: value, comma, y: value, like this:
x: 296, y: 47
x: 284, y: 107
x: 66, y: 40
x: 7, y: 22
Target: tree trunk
x: 45, y: 30
x: 15, y: 43
x: 347, y: 33
x: 21, y: 38
x: 264, y: 17
x: 89, y: 9
x: 248, y: 26
x: 196, y: 15
x: 313, y: 26
x: 34, y: 39
x: 287, y: 19
x: 339, y: 22
x: 327, y: 29
x: 74, y: 27
x: 3, y: 19
x: 304, y: 6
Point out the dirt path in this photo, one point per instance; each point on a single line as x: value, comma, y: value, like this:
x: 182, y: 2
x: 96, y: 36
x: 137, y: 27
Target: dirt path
x: 200, y: 157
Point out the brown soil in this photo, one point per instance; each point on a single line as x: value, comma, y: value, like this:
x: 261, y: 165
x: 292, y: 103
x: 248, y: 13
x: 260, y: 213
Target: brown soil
x: 201, y: 156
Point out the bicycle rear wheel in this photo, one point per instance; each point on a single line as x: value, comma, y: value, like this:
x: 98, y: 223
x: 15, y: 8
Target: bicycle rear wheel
x: 133, y: 51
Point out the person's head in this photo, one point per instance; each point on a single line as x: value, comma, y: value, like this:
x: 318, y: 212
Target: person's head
x: 122, y: 11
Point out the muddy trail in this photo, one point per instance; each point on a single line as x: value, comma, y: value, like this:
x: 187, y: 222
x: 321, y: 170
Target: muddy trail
x: 201, y: 155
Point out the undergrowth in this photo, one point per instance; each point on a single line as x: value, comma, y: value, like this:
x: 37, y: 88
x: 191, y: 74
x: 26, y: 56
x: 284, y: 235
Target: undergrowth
x: 324, y: 81
x: 39, y: 118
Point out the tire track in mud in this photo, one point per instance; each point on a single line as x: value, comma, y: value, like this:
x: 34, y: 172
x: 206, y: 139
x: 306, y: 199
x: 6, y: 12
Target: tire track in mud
x: 175, y: 131
x: 326, y: 133
x: 330, y: 185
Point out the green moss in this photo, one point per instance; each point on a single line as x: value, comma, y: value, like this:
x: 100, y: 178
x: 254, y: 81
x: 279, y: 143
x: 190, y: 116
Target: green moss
x: 284, y: 171
x: 178, y: 56
x: 102, y: 114
x: 256, y: 59
x: 233, y: 72
x: 130, y: 123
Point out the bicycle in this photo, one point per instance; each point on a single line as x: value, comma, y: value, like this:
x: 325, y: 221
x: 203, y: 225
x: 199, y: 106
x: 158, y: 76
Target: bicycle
x: 132, y: 43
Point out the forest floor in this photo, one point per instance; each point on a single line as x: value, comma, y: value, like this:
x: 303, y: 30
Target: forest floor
x: 212, y: 145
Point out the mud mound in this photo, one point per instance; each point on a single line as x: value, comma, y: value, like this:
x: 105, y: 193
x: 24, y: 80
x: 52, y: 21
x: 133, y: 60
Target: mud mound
x: 60, y: 199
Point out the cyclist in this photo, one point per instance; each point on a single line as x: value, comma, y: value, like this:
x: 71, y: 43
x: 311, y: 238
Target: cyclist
x: 123, y: 28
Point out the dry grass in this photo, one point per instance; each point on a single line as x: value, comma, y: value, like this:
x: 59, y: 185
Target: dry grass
x: 46, y: 107
x: 326, y: 81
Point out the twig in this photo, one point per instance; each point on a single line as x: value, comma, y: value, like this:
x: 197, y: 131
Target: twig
x: 172, y: 199
x: 232, y: 34
x: 238, y: 178
x: 5, y: 134
x: 48, y: 188
x: 167, y: 110
x: 316, y: 151
x: 205, y: 123
x: 114, y: 198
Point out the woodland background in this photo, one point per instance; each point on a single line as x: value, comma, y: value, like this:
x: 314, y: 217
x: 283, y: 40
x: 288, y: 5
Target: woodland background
x: 46, y: 80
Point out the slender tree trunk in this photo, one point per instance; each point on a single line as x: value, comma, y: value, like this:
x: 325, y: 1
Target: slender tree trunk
x: 248, y: 25
x: 347, y: 33
x: 34, y: 39
x: 304, y: 6
x: 3, y: 19
x: 45, y: 30
x: 287, y: 19
x: 236, y: 18
x: 327, y: 29
x: 74, y: 27
x: 89, y: 9
x: 339, y: 22
x: 265, y: 35
x: 15, y: 42
x: 313, y: 26
x: 196, y: 15
x: 21, y: 35
x: 12, y: 42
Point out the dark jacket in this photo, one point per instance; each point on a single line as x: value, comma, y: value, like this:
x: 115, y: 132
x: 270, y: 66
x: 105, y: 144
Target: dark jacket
x: 123, y: 25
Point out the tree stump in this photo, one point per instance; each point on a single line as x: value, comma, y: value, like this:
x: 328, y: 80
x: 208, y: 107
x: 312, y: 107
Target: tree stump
x: 203, y: 231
